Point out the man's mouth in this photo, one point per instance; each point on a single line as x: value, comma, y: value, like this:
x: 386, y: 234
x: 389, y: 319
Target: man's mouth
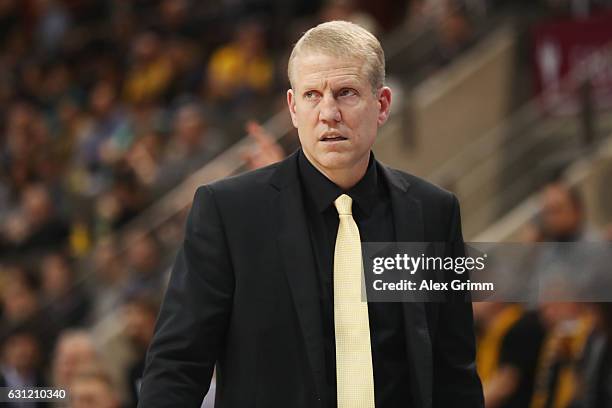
x: 332, y: 138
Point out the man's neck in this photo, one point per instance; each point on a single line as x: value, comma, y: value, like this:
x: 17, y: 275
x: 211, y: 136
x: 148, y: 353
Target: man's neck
x: 347, y: 177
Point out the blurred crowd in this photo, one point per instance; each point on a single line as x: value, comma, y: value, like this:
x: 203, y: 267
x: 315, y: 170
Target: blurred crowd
x: 555, y: 353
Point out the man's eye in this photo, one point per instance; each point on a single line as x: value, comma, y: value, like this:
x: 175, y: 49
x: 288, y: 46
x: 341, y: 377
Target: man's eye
x: 347, y: 92
x: 310, y: 95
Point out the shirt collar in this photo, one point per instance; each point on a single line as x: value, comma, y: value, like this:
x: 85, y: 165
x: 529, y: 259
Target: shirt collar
x: 323, y: 191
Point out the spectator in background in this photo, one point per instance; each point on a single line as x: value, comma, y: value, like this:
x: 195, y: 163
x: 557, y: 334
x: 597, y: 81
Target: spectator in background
x: 193, y: 143
x: 108, y: 131
x: 20, y: 303
x: 595, y: 368
x: 186, y: 58
x: 145, y: 270
x: 568, y: 328
x: 184, y: 45
x: 509, y: 343
x: 241, y: 70
x: 110, y: 278
x: 454, y: 31
x: 492, y: 321
x: 125, y: 199
x: 57, y: 85
x: 35, y: 225
x: 21, y: 363
x: 93, y: 390
x: 139, y: 315
x: 571, y: 261
x: 26, y: 138
x: 62, y: 294
x: 347, y: 10
x: 562, y: 216
x: 53, y: 21
x: 175, y: 19
x: 150, y: 72
x: 72, y: 121
x: 75, y: 353
x: 447, y: 23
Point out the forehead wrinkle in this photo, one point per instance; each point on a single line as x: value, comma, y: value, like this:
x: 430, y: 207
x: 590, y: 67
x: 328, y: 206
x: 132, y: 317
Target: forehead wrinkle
x: 323, y: 80
x: 332, y: 82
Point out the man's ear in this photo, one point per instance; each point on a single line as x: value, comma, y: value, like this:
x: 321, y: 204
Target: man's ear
x: 384, y: 100
x: 291, y: 105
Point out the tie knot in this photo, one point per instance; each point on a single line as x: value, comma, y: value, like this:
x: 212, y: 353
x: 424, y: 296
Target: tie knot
x: 343, y: 205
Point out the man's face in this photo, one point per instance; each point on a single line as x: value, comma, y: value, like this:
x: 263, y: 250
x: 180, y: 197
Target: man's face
x: 335, y: 110
x: 560, y: 216
x: 91, y: 393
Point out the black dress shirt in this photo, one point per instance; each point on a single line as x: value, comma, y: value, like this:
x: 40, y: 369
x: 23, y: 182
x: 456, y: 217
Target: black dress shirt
x: 373, y: 214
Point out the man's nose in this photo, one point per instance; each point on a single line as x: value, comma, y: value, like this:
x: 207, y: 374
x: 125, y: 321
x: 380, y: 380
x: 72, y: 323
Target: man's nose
x: 329, y: 110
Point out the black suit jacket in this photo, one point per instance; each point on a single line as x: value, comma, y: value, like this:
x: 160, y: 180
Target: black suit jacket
x: 242, y: 295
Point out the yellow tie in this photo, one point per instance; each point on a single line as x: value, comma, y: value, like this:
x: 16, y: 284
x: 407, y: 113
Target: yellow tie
x: 354, y: 373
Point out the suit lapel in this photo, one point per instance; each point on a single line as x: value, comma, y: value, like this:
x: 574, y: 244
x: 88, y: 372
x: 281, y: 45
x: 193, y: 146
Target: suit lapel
x: 409, y: 227
x: 297, y: 259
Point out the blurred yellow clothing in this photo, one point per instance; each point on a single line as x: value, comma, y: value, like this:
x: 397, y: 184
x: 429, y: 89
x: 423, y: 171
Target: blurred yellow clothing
x: 489, y: 344
x: 149, y: 82
x: 230, y: 69
x: 79, y: 240
x: 556, y: 381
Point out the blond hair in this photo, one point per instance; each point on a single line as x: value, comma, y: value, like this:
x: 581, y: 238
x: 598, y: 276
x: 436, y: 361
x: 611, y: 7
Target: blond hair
x: 345, y: 40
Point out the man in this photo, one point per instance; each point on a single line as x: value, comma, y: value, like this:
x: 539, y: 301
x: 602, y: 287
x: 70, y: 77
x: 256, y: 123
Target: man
x: 563, y: 217
x: 20, y: 362
x: 92, y: 390
x: 571, y: 245
x: 266, y: 285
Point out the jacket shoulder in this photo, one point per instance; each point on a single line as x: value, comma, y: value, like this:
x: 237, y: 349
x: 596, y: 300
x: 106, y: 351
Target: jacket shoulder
x: 420, y: 187
x: 242, y: 184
